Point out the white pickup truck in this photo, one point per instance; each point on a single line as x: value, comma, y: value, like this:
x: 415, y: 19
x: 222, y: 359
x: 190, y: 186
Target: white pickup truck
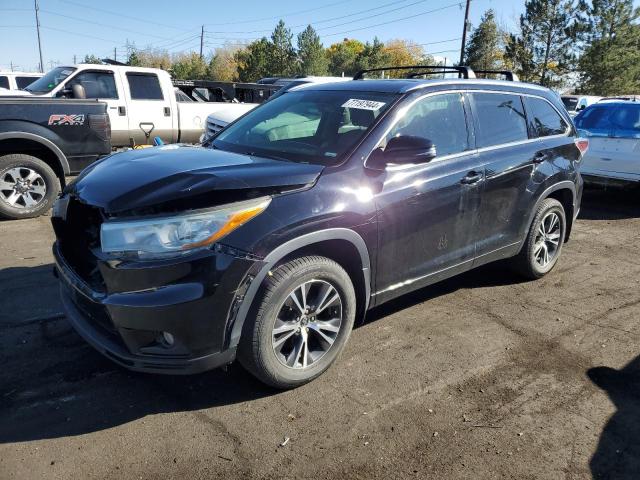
x: 141, y: 102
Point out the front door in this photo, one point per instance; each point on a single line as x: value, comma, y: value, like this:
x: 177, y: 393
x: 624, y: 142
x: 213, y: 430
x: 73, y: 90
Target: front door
x: 427, y: 212
x: 149, y: 107
x: 102, y: 85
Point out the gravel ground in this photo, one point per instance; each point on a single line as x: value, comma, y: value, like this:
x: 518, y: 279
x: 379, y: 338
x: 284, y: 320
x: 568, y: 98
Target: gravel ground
x: 482, y: 376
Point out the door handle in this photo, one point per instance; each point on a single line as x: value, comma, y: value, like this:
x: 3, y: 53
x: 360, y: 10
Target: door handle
x: 471, y: 178
x: 539, y: 157
x: 167, y: 111
x: 122, y: 111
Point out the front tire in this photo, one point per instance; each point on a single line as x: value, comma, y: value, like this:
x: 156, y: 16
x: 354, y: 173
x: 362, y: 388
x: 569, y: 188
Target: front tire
x: 302, y: 322
x: 543, y: 245
x: 28, y: 186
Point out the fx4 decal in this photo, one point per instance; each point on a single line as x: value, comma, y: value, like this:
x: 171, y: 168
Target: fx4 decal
x: 62, y: 119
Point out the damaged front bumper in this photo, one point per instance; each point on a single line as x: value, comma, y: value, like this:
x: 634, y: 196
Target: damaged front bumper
x: 172, y: 317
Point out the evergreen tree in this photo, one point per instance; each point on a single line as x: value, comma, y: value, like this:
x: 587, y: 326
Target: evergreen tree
x: 311, y: 57
x: 373, y: 55
x: 483, y: 52
x: 610, y: 64
x: 282, y: 55
x: 548, y: 32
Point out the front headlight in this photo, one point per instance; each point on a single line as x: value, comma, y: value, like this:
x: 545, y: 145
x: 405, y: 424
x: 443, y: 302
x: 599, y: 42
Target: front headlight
x: 166, y: 237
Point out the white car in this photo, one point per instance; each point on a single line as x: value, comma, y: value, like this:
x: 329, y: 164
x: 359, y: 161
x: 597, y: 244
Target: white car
x: 613, y: 130
x: 17, y: 81
x: 217, y: 121
x: 576, y: 103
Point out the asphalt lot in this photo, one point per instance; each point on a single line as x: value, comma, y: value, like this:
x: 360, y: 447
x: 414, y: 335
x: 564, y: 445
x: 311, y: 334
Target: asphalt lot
x: 482, y: 376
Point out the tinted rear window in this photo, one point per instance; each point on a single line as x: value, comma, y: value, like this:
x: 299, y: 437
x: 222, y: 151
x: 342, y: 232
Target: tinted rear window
x: 544, y: 120
x: 144, y: 86
x: 627, y: 117
x: 595, y: 118
x: 22, y: 82
x: 4, y: 82
x: 500, y: 119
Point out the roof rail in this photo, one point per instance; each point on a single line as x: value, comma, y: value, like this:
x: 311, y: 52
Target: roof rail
x: 465, y: 72
x: 508, y: 74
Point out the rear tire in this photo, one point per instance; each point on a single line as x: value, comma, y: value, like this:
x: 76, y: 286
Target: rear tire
x: 28, y: 186
x: 282, y: 345
x: 543, y: 245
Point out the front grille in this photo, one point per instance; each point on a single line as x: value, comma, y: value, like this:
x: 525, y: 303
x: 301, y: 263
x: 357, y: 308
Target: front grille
x: 78, y: 235
x: 213, y: 128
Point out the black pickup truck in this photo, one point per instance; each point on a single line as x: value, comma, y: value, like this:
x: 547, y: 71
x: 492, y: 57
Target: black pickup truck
x: 41, y: 141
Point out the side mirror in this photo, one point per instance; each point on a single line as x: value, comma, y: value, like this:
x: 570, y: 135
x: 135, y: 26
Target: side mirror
x: 581, y: 107
x: 78, y: 91
x: 409, y: 149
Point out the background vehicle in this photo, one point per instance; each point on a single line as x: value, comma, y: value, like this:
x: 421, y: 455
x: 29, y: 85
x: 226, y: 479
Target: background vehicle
x: 576, y: 103
x: 41, y: 141
x: 17, y: 80
x: 141, y: 102
x: 218, y: 120
x: 613, y: 130
x: 269, y: 245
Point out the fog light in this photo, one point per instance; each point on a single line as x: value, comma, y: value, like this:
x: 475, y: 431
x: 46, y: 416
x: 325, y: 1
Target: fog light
x: 168, y: 338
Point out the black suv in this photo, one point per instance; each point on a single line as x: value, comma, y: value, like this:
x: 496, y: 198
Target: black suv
x: 308, y: 211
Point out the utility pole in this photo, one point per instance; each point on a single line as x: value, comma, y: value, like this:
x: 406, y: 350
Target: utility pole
x: 115, y: 53
x: 201, y: 41
x: 74, y: 59
x: 38, y: 29
x: 464, y: 31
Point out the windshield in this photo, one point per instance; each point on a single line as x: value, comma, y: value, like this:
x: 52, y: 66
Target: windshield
x: 570, y: 103
x: 306, y: 126
x: 51, y: 80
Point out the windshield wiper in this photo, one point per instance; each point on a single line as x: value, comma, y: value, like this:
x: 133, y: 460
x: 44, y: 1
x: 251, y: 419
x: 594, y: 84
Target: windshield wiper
x: 267, y: 155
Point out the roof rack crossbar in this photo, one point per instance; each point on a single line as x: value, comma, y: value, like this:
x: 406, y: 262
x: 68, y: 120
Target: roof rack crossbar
x: 466, y: 72
x: 508, y: 74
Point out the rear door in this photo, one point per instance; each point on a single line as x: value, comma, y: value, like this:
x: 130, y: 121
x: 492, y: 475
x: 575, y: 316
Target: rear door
x: 102, y: 85
x: 508, y: 158
x: 625, y: 143
x: 596, y: 123
x: 149, y: 106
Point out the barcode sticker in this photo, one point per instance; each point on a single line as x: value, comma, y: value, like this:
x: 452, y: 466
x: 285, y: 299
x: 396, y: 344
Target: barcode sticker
x: 363, y: 104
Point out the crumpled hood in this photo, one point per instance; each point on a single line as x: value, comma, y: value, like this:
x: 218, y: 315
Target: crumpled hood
x: 142, y: 178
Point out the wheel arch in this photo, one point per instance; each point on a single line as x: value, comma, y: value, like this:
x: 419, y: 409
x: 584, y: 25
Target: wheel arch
x: 565, y: 193
x: 38, y: 146
x: 342, y: 245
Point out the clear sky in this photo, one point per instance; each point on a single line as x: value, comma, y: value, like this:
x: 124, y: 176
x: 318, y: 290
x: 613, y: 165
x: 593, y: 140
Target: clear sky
x: 79, y: 27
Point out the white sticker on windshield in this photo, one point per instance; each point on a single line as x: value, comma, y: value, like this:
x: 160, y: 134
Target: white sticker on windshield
x: 363, y: 104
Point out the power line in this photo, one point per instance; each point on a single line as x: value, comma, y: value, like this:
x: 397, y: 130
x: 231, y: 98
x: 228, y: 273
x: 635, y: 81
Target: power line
x: 393, y: 21
x: 337, y: 18
x: 278, y: 17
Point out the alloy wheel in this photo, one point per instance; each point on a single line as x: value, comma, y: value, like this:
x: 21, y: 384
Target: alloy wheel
x: 22, y: 187
x: 547, y: 242
x: 307, y: 324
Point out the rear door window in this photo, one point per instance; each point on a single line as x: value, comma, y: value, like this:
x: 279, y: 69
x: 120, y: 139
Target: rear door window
x: 500, y: 119
x: 439, y: 118
x: 596, y: 120
x: 544, y: 120
x: 4, y: 82
x: 626, y: 121
x: 96, y: 84
x: 22, y: 82
x: 144, y: 86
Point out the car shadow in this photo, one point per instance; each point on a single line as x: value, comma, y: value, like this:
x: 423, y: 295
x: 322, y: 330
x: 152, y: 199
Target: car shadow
x: 610, y: 204
x: 618, y: 453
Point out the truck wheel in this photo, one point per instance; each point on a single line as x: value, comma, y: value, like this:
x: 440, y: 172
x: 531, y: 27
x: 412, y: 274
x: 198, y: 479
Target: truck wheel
x: 28, y: 186
x: 543, y: 245
x: 302, y: 322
